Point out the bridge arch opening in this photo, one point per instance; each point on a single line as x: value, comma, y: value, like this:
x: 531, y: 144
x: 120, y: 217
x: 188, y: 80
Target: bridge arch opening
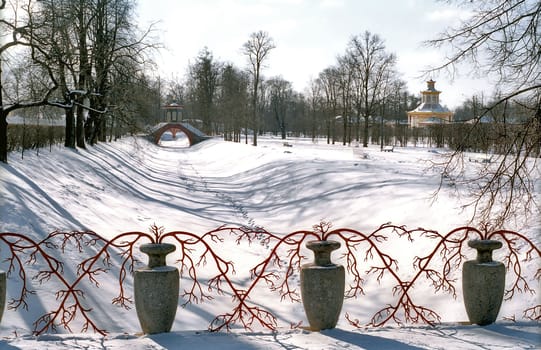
x: 193, y: 134
x: 174, y: 138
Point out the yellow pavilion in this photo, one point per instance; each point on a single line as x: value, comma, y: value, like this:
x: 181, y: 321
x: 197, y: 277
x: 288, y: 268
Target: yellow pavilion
x: 429, y: 112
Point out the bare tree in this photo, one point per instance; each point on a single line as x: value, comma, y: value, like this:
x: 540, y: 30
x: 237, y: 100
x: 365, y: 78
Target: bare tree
x: 16, y: 33
x: 204, y: 74
x: 115, y: 40
x: 55, y: 19
x: 315, y: 103
x: 81, y: 46
x: 137, y: 99
x: 68, y: 22
x: 257, y: 49
x: 501, y: 40
x: 328, y: 79
x: 345, y: 85
x: 371, y: 65
x: 176, y: 91
x: 233, y: 101
x: 281, y: 94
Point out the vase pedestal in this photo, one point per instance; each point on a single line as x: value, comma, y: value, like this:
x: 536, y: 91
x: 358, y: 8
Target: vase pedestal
x: 483, y: 283
x: 322, y: 286
x: 156, y: 290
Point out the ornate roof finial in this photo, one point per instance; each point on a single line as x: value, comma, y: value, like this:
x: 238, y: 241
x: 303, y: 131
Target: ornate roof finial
x: 430, y: 85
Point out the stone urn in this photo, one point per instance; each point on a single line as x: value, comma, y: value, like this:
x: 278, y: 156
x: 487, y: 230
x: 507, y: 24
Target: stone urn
x: 156, y: 290
x: 483, y: 283
x: 3, y: 288
x: 322, y: 286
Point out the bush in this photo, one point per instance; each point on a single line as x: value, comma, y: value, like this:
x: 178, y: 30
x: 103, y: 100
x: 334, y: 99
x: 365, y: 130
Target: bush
x: 22, y: 137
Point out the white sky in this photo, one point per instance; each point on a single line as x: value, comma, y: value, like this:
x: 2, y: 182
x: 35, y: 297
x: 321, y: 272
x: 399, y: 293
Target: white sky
x: 308, y: 34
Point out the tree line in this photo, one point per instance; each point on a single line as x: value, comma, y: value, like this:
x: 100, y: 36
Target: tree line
x: 341, y: 104
x: 360, y: 99
x: 89, y: 59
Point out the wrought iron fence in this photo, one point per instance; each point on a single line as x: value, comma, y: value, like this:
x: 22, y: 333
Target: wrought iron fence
x: 275, y: 271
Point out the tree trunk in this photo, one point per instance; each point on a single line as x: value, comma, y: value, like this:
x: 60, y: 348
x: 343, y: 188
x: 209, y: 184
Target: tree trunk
x: 255, y: 124
x: 345, y: 127
x: 92, y: 127
x: 365, y: 132
x: 69, y: 140
x: 102, y: 131
x: 328, y: 125
x: 358, y: 127
x: 333, y: 128
x: 80, y: 128
x: 84, y: 73
x: 3, y: 135
x: 255, y: 120
x: 3, y: 124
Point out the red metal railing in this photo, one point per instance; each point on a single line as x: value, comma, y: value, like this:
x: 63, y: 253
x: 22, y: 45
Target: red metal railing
x: 275, y: 271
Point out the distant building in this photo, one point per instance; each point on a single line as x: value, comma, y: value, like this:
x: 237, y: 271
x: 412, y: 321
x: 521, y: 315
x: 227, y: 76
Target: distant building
x: 173, y: 112
x: 430, y: 111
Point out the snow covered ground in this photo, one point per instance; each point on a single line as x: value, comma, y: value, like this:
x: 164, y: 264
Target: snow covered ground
x: 132, y: 184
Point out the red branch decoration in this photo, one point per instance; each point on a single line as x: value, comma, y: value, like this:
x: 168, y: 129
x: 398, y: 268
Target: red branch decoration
x: 275, y: 271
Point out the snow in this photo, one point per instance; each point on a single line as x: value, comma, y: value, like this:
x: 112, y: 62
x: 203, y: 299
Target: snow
x: 494, y: 337
x: 131, y: 184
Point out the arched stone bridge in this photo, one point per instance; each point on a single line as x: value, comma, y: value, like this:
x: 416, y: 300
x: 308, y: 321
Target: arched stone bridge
x: 194, y: 135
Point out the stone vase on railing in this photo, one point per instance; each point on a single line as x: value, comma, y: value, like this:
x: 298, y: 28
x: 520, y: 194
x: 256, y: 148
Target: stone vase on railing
x: 156, y: 290
x: 3, y: 288
x: 322, y: 286
x: 483, y: 283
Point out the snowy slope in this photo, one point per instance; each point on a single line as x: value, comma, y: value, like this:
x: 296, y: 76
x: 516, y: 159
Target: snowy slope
x: 132, y: 184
